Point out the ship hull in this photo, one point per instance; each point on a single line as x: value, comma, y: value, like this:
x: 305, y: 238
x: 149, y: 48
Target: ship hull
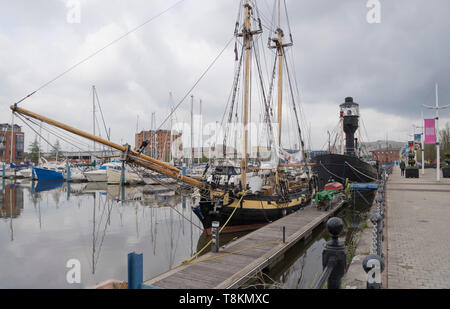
x: 342, y: 167
x: 96, y: 176
x: 115, y: 177
x: 44, y: 174
x: 250, y: 212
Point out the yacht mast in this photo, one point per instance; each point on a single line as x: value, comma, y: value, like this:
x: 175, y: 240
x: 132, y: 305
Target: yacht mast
x: 280, y: 52
x: 247, y: 34
x: 280, y: 84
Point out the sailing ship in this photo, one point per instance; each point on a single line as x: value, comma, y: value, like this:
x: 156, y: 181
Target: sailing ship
x: 257, y: 195
x: 242, y: 197
x: 348, y: 164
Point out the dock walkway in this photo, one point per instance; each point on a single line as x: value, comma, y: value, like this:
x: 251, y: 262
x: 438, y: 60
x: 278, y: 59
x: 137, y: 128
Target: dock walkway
x: 235, y: 264
x: 418, y: 220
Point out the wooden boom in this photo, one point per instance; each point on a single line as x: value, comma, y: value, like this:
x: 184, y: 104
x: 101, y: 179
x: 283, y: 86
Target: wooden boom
x: 137, y: 158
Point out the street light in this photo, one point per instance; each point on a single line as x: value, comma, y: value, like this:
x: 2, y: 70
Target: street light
x: 438, y: 155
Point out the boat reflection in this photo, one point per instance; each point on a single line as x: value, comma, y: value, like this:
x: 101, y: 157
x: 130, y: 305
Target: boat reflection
x: 11, y: 201
x: 42, y: 186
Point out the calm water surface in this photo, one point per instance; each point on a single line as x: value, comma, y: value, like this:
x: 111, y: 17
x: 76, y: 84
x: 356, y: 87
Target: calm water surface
x: 44, y: 225
x: 40, y: 231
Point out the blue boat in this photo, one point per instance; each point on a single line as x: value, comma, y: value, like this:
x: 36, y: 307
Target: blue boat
x: 45, y: 174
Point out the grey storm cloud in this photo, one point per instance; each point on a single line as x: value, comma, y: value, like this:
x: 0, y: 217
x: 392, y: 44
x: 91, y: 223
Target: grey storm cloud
x: 389, y: 68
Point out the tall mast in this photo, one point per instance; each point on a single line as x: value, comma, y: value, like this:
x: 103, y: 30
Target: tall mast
x: 278, y: 41
x: 192, y: 132
x: 248, y: 48
x: 280, y: 84
x: 12, y: 139
x: 93, y: 111
x: 201, y: 132
x: 171, y: 126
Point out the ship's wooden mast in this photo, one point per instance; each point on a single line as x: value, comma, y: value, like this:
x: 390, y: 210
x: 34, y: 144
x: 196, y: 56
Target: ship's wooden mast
x: 248, y: 49
x: 247, y: 34
x: 279, y: 46
x: 133, y: 156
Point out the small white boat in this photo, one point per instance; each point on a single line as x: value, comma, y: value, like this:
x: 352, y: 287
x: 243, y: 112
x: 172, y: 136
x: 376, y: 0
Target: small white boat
x: 114, y: 176
x: 99, y: 175
x: 26, y: 173
x: 76, y: 175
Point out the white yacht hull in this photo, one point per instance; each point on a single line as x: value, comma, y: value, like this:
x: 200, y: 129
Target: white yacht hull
x: 114, y: 177
x: 96, y: 176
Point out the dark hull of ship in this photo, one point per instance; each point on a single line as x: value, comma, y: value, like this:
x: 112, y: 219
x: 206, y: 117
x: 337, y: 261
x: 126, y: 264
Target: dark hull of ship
x: 247, y: 218
x: 341, y: 167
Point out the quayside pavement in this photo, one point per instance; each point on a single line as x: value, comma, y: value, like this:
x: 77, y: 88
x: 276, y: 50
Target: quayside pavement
x: 418, y: 229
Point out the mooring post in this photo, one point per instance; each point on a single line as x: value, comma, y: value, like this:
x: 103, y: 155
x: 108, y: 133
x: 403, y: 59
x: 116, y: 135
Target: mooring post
x: 373, y: 265
x: 284, y: 234
x: 215, y: 236
x: 68, y: 172
x: 122, y: 178
x: 335, y: 254
x: 135, y: 271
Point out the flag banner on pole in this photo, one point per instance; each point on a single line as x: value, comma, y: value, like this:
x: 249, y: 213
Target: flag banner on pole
x: 418, y: 141
x: 430, y: 131
x: 410, y: 146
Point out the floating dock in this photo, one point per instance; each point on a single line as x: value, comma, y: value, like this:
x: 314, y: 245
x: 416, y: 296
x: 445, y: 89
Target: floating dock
x: 240, y: 260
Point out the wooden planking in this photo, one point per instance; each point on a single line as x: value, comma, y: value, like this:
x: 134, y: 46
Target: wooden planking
x: 231, y: 269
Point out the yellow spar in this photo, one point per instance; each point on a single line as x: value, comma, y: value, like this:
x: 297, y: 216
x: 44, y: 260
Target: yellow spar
x: 138, y: 158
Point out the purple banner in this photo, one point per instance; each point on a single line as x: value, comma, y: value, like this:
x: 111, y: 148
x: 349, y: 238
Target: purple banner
x: 430, y: 131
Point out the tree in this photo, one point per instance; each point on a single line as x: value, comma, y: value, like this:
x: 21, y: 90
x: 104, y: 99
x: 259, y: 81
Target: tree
x: 56, y: 151
x: 34, y: 150
x: 445, y: 138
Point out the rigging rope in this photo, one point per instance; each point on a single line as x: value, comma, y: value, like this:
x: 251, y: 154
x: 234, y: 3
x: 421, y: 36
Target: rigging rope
x: 99, y: 51
x: 330, y: 171
x: 197, y: 82
x: 360, y: 172
x: 189, y: 261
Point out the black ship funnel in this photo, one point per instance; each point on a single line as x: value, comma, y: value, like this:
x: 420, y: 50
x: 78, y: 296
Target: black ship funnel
x: 350, y: 113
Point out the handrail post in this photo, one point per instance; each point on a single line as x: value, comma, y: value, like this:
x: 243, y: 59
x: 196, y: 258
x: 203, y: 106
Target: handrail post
x: 335, y: 253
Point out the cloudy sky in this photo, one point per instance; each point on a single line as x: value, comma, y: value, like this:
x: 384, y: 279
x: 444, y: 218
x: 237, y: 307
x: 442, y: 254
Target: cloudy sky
x: 389, y: 67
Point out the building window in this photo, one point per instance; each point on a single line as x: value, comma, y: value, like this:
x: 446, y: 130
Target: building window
x: 19, y: 146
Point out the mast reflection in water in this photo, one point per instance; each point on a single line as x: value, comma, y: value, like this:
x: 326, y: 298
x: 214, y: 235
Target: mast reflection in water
x: 43, y: 226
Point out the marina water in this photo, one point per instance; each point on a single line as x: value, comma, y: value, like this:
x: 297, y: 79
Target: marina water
x: 43, y: 226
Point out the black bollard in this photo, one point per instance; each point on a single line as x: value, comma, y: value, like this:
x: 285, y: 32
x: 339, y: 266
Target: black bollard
x: 373, y: 265
x: 335, y: 254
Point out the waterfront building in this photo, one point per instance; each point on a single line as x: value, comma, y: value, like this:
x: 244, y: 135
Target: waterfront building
x: 386, y: 155
x: 17, y: 145
x: 159, y: 146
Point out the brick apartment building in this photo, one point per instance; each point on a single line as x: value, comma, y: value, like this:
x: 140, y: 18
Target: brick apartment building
x: 5, y: 143
x: 161, y: 149
x: 386, y: 155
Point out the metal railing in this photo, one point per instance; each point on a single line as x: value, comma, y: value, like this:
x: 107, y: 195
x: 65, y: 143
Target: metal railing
x: 373, y: 264
x: 334, y: 257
